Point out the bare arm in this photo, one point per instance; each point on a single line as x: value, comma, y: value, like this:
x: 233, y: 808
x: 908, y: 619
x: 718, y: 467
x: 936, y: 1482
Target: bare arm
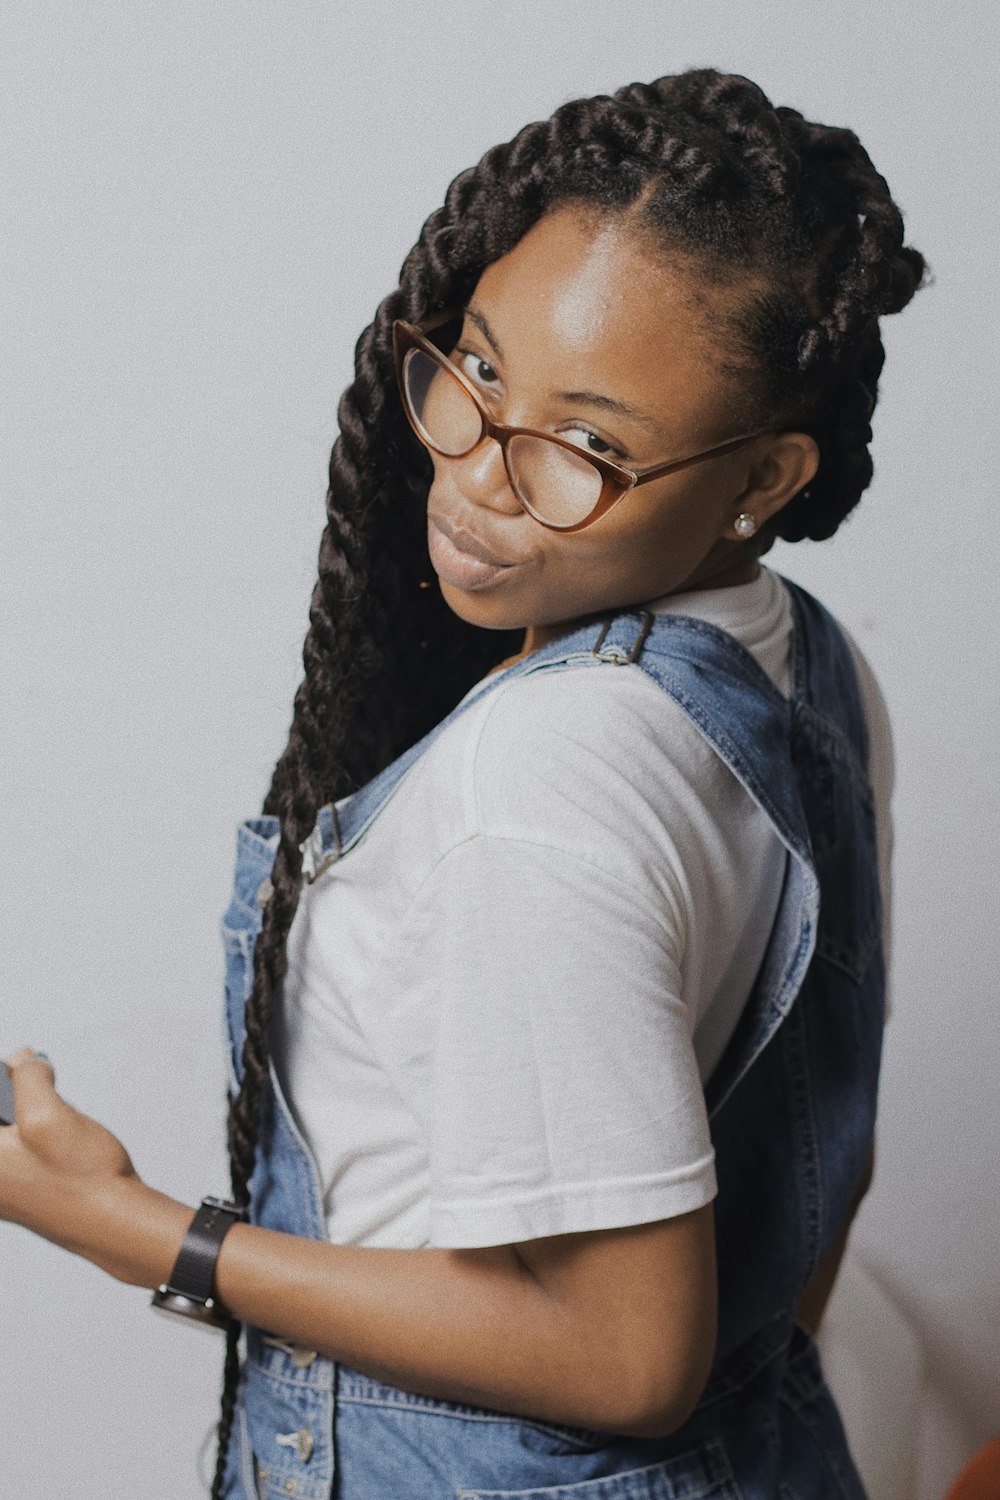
x: 608, y: 1329
x: 812, y: 1303
x: 611, y: 1329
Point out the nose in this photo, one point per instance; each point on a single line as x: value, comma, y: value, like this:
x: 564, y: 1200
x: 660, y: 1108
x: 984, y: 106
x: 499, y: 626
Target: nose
x: 483, y: 479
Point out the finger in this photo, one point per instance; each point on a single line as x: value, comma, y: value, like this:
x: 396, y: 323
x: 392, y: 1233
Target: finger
x: 33, y: 1081
x: 28, y: 1057
x: 24, y: 1054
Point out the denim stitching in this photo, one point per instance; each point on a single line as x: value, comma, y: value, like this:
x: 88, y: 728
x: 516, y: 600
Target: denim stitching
x: 777, y: 1010
x: 710, y: 1456
x: 840, y: 746
x: 795, y: 1058
x: 407, y: 1401
x: 828, y: 1457
x: 306, y: 1385
x: 733, y: 757
x: 742, y: 1371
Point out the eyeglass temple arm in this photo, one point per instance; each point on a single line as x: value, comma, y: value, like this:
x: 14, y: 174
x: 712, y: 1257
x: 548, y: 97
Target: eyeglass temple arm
x: 730, y: 446
x: 435, y: 320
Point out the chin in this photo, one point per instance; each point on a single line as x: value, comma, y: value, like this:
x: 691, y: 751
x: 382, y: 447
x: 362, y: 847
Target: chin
x: 475, y: 609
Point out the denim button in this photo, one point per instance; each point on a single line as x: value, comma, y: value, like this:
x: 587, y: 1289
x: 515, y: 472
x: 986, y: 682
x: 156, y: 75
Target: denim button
x: 300, y: 1356
x: 301, y: 1441
x: 264, y: 893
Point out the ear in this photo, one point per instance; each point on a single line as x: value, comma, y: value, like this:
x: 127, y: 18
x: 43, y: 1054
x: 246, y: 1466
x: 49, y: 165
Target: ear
x: 782, y: 464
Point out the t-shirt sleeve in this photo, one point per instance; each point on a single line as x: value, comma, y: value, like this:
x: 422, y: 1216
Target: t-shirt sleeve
x: 565, y: 1086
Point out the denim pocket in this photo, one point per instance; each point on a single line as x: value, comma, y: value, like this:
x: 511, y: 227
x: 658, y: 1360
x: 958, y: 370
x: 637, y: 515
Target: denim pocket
x: 704, y: 1473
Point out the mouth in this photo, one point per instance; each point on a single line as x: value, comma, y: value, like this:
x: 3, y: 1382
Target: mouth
x: 459, y: 557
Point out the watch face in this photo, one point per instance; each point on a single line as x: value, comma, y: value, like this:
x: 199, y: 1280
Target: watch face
x: 208, y: 1314
x: 223, y: 1203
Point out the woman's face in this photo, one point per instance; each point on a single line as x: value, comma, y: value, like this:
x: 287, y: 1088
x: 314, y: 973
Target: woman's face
x: 579, y: 330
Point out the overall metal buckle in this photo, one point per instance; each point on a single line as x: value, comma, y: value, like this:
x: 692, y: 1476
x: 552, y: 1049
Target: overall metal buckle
x: 615, y: 653
x: 314, y: 861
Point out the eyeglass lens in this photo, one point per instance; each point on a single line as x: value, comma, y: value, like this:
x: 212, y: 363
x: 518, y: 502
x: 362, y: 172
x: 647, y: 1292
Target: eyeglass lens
x: 551, y: 481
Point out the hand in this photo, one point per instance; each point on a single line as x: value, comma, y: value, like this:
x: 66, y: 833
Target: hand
x: 55, y: 1163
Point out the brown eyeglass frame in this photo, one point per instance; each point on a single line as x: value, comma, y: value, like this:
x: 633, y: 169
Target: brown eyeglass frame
x: 617, y: 479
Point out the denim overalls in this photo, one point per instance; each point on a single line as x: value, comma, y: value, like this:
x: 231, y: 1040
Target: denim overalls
x: 791, y: 1107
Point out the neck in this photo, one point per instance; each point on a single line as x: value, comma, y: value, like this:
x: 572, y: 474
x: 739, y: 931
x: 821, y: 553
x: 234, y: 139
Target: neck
x: 725, y: 574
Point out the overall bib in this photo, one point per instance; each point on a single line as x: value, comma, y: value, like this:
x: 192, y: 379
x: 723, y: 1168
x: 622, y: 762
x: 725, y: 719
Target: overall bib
x: 791, y: 1108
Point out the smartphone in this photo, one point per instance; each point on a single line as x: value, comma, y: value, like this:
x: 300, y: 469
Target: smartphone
x: 6, y: 1097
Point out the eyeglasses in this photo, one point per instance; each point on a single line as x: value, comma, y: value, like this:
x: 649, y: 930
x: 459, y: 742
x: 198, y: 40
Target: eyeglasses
x: 557, y: 482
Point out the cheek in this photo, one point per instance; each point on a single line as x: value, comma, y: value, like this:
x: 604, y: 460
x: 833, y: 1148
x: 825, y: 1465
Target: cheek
x: 653, y: 547
x: 438, y: 471
x: 686, y: 519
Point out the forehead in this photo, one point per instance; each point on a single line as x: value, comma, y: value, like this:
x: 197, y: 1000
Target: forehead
x: 584, y: 301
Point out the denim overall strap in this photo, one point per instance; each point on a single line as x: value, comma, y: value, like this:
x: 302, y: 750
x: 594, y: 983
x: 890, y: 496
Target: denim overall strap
x: 792, y: 1134
x: 747, y: 721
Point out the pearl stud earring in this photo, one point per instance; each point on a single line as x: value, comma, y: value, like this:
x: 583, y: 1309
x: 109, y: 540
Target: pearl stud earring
x: 744, y: 525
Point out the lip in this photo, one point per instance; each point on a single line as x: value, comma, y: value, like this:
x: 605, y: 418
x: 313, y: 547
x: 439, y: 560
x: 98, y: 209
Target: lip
x: 461, y: 559
x: 466, y: 541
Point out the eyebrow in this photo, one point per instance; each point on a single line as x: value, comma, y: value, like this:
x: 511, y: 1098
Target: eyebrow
x: 575, y: 398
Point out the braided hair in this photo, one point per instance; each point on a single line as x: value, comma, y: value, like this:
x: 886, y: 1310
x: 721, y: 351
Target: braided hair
x: 790, y: 216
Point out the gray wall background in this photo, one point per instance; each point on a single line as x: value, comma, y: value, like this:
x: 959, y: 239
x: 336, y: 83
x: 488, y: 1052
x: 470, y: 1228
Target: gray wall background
x: 203, y: 205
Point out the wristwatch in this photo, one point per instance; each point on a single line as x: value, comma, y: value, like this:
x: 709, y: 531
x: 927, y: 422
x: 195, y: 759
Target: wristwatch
x: 189, y: 1292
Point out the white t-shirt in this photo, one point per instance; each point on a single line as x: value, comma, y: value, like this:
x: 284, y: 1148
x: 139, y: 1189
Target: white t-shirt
x: 501, y: 1007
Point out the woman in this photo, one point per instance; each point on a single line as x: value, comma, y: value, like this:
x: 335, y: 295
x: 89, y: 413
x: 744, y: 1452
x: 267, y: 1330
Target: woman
x: 555, y: 992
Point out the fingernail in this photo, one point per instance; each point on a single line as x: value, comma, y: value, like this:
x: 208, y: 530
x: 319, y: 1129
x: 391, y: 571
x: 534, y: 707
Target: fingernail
x: 43, y: 1055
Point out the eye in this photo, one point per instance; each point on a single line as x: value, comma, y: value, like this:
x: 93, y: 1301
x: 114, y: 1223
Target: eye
x: 475, y: 368
x: 591, y: 443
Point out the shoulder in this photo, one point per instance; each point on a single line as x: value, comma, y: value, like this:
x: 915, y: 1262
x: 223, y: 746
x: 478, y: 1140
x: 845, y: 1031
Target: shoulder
x: 597, y: 761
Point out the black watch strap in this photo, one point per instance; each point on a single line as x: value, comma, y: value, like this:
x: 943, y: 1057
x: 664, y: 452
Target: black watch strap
x: 189, y: 1291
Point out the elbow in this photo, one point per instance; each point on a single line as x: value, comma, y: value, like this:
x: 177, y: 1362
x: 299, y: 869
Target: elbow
x: 660, y: 1419
x: 666, y: 1400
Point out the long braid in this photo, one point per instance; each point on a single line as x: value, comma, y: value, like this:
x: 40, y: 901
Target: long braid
x: 789, y: 213
x: 373, y: 632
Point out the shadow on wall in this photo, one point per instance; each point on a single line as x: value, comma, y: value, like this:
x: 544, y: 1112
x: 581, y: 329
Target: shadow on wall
x: 907, y: 1440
